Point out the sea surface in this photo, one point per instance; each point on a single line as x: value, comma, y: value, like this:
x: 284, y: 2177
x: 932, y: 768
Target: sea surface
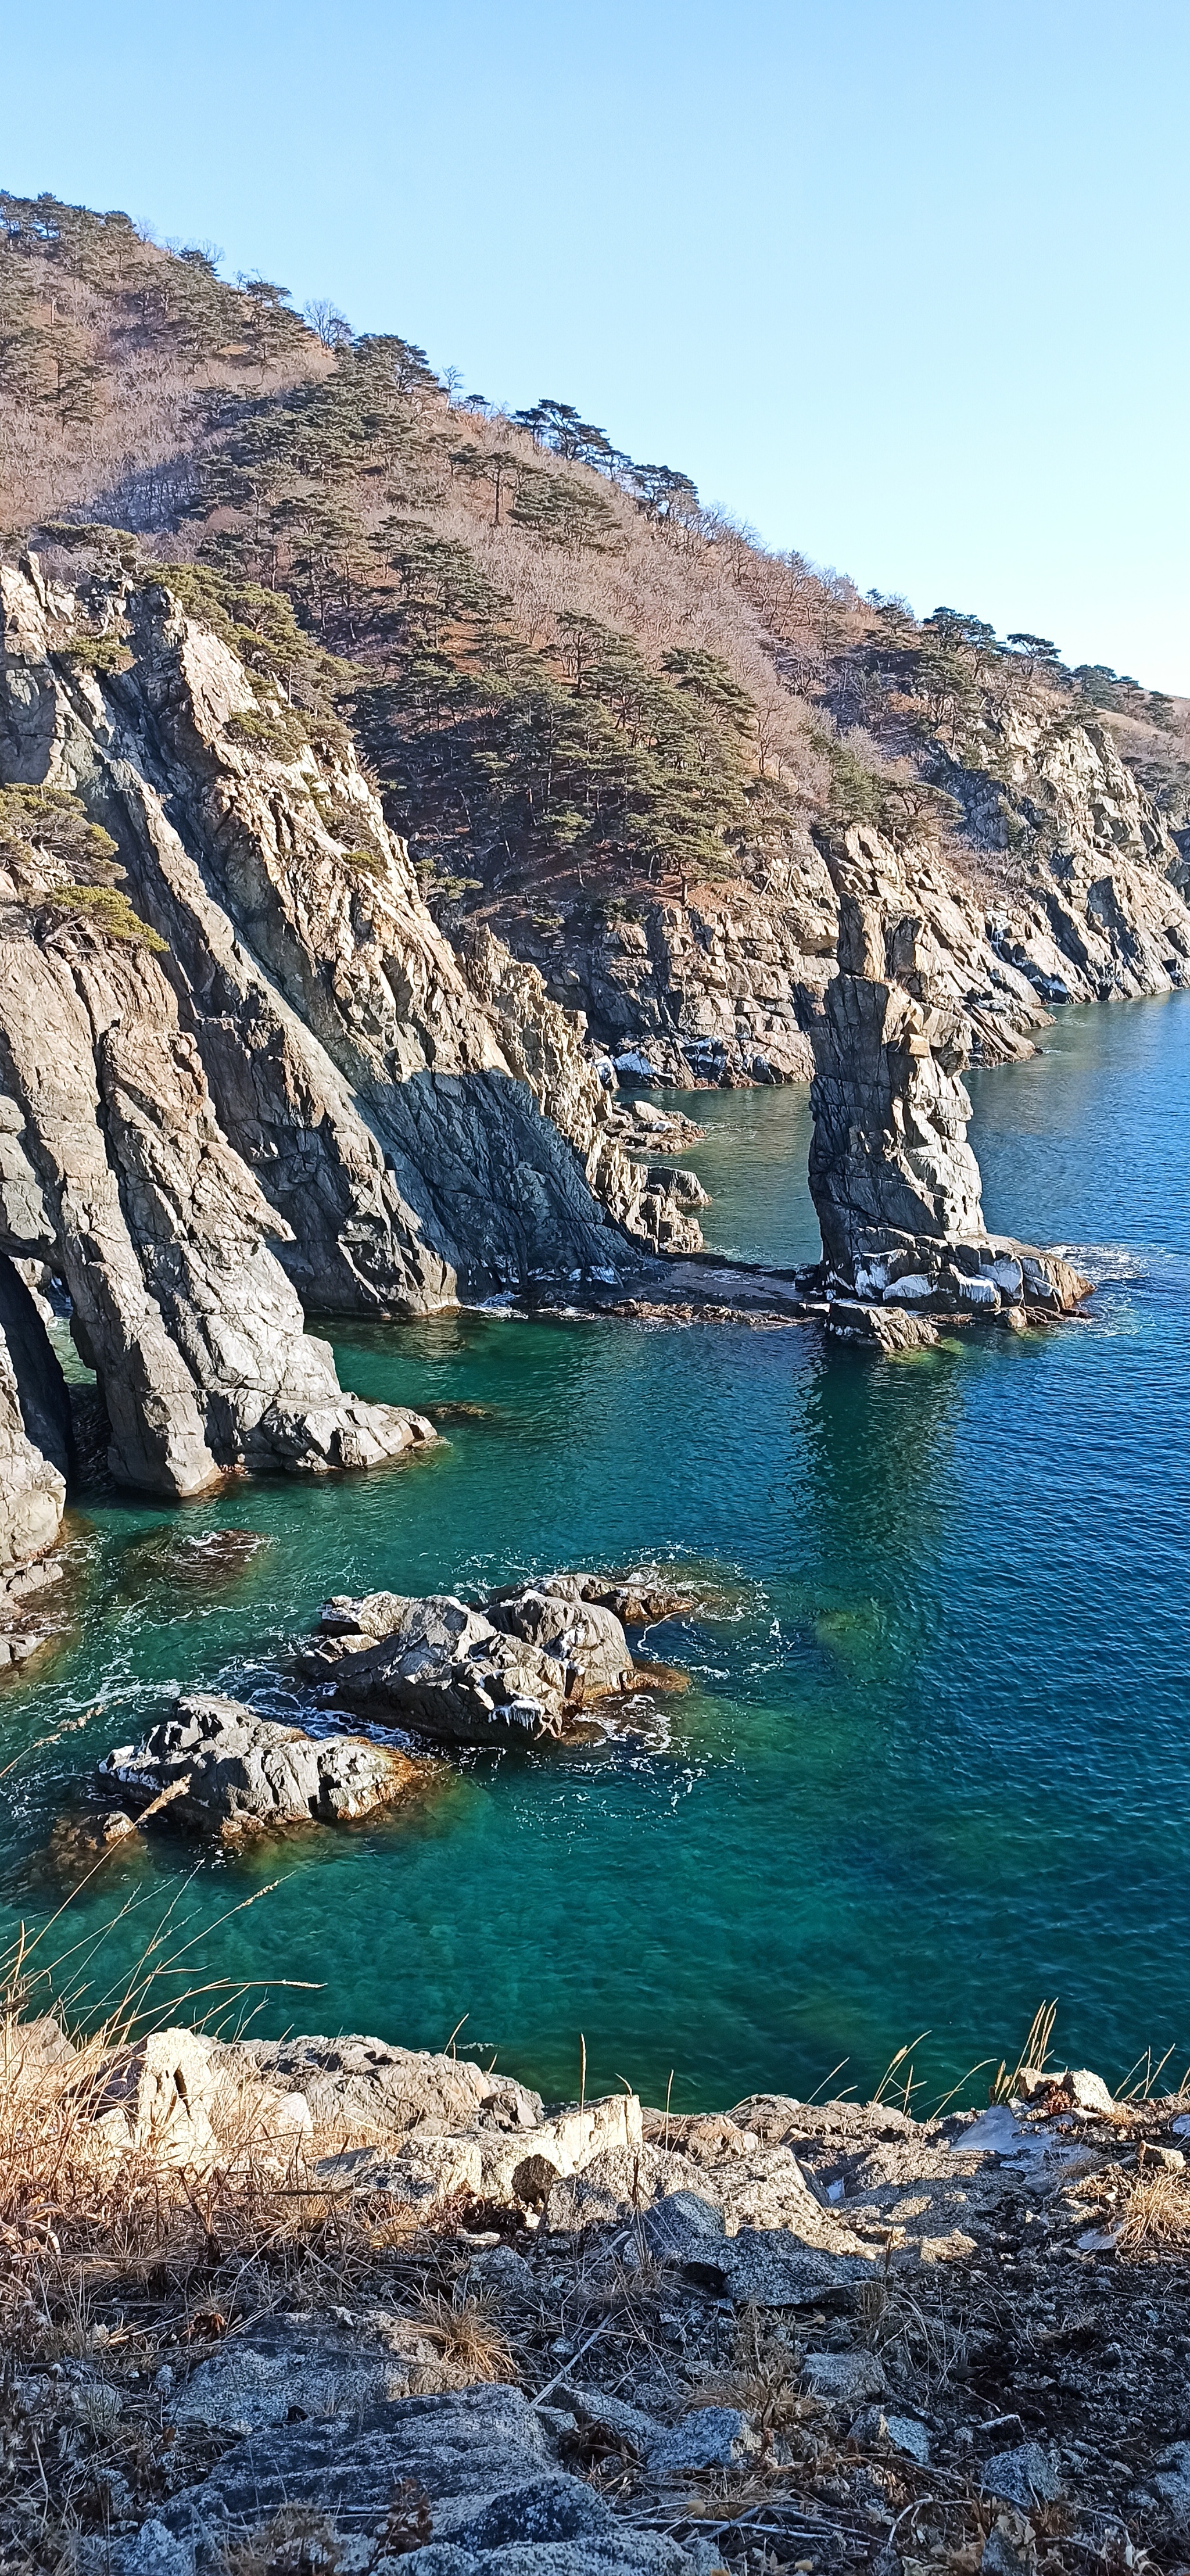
x: 934, y: 1764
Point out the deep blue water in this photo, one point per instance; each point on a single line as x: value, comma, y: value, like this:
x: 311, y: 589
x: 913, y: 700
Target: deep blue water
x: 935, y: 1764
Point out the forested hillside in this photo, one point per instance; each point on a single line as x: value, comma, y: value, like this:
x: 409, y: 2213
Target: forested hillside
x: 584, y: 695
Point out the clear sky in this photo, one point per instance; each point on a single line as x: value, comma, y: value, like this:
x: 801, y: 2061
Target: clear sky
x: 900, y: 282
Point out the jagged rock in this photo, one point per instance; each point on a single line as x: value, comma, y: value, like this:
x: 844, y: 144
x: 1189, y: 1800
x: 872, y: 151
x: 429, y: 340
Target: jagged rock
x: 482, y: 2459
x: 881, y: 1328
x: 544, y: 1046
x: 1026, y: 2476
x: 366, y: 2083
x: 709, y: 2437
x: 35, y: 1431
x: 216, y: 1767
x: 873, y: 2430
x: 531, y: 1663
x: 194, y: 2103
x: 350, y: 1062
x: 894, y: 1181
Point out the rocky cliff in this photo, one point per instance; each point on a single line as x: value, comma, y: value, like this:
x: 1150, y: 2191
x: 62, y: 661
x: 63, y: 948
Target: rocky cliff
x: 1060, y: 883
x: 241, y: 1072
x: 895, y: 1183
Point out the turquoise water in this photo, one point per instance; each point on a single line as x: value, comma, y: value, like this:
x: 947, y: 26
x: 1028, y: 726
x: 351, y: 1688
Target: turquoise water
x: 935, y: 1763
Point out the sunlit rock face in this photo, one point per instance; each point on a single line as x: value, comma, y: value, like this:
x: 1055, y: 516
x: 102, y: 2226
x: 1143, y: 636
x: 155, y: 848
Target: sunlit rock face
x: 894, y: 1181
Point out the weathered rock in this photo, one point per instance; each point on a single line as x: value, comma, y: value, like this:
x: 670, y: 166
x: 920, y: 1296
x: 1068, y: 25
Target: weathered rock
x: 216, y: 1767
x: 873, y: 2430
x: 350, y: 1061
x: 35, y: 1430
x: 544, y: 1046
x: 894, y: 1181
x: 530, y: 1663
x: 365, y: 2083
x: 159, y: 1231
x: 191, y: 2102
x: 709, y: 2437
x: 777, y: 2269
x: 844, y: 2378
x: 317, y: 2368
x: 480, y: 2457
x: 879, y: 1328
x: 1026, y: 2476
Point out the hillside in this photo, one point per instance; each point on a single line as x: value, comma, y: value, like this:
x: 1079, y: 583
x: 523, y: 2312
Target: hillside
x: 605, y: 719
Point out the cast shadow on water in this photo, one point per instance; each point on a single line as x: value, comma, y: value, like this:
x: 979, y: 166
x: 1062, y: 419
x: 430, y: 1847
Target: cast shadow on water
x: 931, y: 1764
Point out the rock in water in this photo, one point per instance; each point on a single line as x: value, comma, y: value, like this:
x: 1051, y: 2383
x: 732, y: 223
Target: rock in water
x: 894, y: 1181
x: 216, y: 1767
x: 528, y: 1663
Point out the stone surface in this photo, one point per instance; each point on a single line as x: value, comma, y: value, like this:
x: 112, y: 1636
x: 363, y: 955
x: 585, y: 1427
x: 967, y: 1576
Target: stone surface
x: 255, y: 2379
x: 895, y: 1184
x: 1026, y: 2476
x: 351, y: 1062
x: 709, y: 2437
x: 193, y: 2102
x: 875, y: 2431
x: 879, y: 1328
x: 216, y: 1767
x: 529, y: 1663
x: 481, y: 2457
x: 844, y: 2378
x: 35, y: 1428
x: 365, y: 2083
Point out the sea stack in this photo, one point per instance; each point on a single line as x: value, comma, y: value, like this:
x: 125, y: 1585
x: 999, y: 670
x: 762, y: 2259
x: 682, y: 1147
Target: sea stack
x: 895, y: 1184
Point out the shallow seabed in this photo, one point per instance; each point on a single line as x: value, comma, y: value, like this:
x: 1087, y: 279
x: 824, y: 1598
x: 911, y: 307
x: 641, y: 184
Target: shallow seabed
x: 935, y: 1763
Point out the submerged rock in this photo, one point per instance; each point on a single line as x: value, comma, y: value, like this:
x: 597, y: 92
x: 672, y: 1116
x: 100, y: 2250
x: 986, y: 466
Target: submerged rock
x: 215, y: 1767
x: 531, y: 1661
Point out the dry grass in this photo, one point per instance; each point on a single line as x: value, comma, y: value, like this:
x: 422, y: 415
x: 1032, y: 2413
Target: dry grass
x: 470, y: 2342
x: 1155, y: 2216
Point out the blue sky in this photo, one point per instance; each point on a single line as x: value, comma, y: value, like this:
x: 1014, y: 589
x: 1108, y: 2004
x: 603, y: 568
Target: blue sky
x: 900, y: 282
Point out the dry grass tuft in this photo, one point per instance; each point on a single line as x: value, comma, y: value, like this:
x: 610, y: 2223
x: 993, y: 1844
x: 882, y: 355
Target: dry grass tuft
x: 471, y: 2344
x: 1156, y: 2214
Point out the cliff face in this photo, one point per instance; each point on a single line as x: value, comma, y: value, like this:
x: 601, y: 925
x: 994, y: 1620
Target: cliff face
x: 257, y: 1070
x: 1077, y: 894
x: 1094, y: 883
x: 350, y: 1063
x: 895, y: 1184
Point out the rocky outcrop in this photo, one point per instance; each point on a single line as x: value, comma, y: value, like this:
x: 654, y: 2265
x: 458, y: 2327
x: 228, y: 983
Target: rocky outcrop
x: 35, y: 1429
x: 1094, y: 883
x: 542, y: 2341
x: 545, y: 1046
x: 894, y: 1181
x: 1077, y: 893
x: 350, y: 1063
x: 116, y: 1175
x: 216, y: 1768
x: 530, y: 1662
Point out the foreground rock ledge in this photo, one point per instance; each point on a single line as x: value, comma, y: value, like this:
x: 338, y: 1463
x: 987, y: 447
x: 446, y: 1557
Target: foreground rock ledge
x: 597, y: 2337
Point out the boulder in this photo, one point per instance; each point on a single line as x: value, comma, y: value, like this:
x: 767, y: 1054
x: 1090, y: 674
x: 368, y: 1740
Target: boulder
x: 529, y: 1664
x: 481, y: 2460
x: 365, y: 2083
x: 878, y: 1328
x: 215, y: 1767
x: 185, y: 2099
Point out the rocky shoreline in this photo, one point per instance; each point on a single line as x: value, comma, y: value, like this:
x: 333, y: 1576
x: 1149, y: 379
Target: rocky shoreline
x: 432, y: 2323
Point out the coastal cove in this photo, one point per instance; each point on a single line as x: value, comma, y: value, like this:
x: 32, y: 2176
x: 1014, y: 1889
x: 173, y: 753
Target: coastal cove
x: 932, y: 1763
